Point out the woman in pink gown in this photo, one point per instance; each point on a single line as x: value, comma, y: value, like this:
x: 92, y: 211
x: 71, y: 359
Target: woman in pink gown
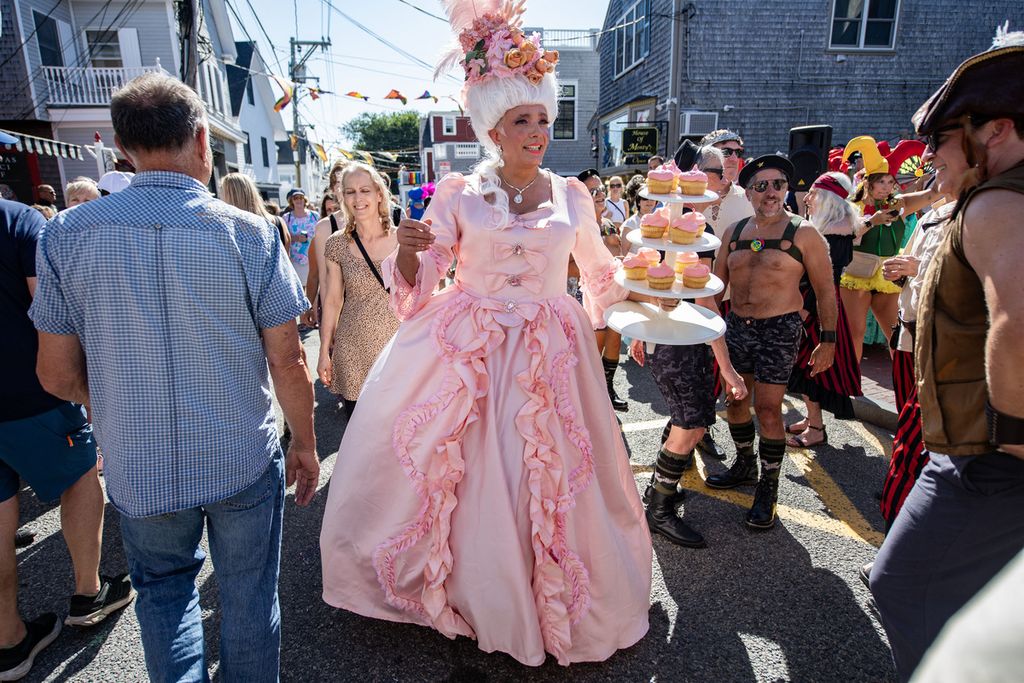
x: 482, y: 486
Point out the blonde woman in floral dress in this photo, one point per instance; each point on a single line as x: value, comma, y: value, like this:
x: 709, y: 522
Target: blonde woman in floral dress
x: 357, y: 321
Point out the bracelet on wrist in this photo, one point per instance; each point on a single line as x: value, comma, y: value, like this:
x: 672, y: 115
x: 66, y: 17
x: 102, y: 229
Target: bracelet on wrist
x: 827, y: 336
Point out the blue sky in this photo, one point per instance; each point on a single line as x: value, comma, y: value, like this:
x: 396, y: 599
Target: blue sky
x: 356, y: 61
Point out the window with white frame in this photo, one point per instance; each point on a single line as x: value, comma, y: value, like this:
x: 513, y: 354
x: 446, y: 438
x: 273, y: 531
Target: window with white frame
x: 440, y: 151
x: 698, y: 122
x: 467, y: 150
x: 448, y: 125
x: 565, y: 124
x: 632, y: 36
x: 864, y: 24
x: 104, y: 48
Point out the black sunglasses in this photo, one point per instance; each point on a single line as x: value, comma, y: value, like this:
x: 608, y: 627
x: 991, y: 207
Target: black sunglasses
x: 778, y: 184
x: 717, y: 171
x: 614, y: 185
x: 934, y: 140
x: 729, y: 151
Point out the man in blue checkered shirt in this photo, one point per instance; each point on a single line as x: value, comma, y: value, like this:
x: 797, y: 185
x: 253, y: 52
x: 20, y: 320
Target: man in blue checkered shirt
x: 163, y: 307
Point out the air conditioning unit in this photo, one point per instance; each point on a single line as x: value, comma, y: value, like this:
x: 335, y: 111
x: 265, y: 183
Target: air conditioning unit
x: 697, y: 122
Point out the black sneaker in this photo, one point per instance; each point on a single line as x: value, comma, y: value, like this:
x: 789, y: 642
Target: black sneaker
x: 23, y: 538
x: 16, y: 662
x: 88, y: 610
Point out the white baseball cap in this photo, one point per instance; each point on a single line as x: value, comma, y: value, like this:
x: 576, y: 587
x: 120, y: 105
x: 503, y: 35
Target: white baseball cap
x: 115, y: 181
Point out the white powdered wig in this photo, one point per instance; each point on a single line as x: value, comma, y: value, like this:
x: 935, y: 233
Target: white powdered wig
x: 1007, y: 38
x: 832, y: 214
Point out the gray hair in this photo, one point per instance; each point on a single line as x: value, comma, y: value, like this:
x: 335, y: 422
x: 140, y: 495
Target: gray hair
x: 832, y: 214
x: 708, y: 155
x: 156, y: 112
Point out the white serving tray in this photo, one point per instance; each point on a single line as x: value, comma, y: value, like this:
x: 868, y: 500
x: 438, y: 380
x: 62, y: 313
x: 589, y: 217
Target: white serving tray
x: 676, y: 198
x: 687, y: 325
x: 678, y: 291
x: 706, y: 242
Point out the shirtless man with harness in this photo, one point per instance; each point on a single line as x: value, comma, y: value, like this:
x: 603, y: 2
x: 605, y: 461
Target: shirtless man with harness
x: 765, y: 259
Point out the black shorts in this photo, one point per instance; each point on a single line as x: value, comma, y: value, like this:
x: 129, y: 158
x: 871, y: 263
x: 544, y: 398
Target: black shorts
x: 764, y: 347
x: 685, y: 379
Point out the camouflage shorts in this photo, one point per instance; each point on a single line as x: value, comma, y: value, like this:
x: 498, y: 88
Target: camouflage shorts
x: 686, y: 380
x: 764, y: 347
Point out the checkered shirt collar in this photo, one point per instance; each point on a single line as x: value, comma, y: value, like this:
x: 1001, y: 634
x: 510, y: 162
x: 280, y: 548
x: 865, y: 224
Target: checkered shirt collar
x: 171, y: 179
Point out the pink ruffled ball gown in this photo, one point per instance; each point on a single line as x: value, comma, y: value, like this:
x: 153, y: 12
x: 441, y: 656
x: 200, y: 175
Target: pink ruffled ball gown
x: 482, y: 487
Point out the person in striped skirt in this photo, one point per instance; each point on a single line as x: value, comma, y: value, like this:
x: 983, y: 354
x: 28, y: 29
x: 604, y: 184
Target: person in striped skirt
x: 833, y: 389
x: 908, y: 452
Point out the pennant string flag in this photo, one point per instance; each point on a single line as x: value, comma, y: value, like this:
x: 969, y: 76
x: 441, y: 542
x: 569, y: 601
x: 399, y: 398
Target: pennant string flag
x: 395, y: 95
x: 320, y: 151
x: 314, y: 93
x: 427, y: 96
x: 357, y: 94
x: 286, y: 88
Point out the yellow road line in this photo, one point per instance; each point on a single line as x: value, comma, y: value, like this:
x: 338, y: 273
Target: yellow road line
x: 835, y: 501
x: 846, y: 521
x: 879, y: 438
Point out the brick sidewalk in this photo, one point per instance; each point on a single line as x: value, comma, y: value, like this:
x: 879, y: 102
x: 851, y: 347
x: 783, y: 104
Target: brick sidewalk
x: 878, y: 403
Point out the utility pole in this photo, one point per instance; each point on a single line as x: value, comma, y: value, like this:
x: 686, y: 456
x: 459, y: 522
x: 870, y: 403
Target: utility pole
x: 294, y: 66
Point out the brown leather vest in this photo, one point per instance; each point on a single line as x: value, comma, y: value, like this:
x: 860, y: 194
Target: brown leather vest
x: 952, y: 324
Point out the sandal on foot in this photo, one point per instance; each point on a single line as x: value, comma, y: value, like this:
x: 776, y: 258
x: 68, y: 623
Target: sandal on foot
x: 800, y: 441
x: 793, y: 429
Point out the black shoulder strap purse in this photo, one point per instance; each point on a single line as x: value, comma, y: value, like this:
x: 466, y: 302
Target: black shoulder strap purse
x: 369, y: 262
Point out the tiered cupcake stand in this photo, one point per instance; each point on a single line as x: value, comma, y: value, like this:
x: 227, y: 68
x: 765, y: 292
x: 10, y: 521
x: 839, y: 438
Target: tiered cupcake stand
x: 688, y: 323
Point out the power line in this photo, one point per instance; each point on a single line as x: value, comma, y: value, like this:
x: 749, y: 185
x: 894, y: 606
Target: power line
x: 245, y: 30
x: 420, y: 9
x: 273, y: 48
x: 383, y: 40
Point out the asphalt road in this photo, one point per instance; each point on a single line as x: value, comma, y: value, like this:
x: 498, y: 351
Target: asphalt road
x: 782, y: 605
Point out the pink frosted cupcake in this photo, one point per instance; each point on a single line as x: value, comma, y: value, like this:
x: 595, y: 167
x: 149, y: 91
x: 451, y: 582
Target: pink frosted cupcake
x: 635, y: 267
x: 683, y: 230
x: 661, y: 180
x: 696, y: 276
x: 693, y: 182
x: 660, y: 277
x: 652, y: 255
x: 686, y: 258
x: 654, y: 225
x: 702, y: 222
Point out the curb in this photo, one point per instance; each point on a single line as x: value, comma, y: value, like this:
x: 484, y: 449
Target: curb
x: 866, y: 410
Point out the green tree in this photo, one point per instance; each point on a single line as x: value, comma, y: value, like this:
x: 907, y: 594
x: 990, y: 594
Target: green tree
x: 384, y: 132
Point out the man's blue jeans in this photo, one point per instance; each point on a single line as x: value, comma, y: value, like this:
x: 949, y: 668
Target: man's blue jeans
x: 164, y: 558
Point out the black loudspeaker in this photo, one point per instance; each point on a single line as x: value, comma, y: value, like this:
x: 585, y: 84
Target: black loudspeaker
x: 808, y: 150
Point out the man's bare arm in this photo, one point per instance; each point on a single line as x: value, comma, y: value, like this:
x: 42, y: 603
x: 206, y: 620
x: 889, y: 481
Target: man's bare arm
x: 60, y: 366
x: 991, y: 226
x: 294, y: 391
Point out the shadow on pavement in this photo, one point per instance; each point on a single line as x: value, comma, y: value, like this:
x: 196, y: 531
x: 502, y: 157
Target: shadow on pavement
x: 46, y: 583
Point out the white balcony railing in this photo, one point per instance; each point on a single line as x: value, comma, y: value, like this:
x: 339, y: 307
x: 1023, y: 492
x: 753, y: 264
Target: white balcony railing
x: 87, y: 86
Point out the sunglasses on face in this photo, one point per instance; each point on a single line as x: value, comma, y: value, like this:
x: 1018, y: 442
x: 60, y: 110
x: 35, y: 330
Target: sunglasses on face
x: 730, y: 151
x: 933, y: 141
x: 615, y: 186
x: 596, y: 191
x: 777, y: 184
x: 717, y: 171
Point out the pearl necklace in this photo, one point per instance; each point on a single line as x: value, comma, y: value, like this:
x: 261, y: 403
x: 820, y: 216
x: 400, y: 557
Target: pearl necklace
x: 518, y: 199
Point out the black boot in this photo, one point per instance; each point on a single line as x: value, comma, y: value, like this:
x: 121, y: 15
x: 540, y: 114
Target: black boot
x: 708, y: 448
x: 762, y: 512
x: 662, y: 519
x: 610, y: 366
x: 742, y: 473
x: 677, y: 497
